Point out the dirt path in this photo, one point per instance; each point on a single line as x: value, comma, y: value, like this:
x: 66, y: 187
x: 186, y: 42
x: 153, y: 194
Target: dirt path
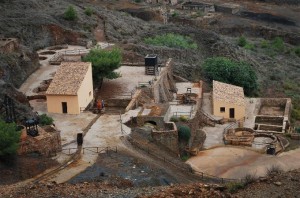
x: 236, y: 163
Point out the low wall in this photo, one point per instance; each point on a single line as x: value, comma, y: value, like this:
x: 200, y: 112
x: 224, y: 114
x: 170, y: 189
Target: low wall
x: 116, y: 102
x: 159, y: 120
x: 167, y: 137
x: 271, y: 128
x: 47, y: 143
x: 279, y: 102
x: 163, y: 86
x: 269, y: 120
x: 295, y: 136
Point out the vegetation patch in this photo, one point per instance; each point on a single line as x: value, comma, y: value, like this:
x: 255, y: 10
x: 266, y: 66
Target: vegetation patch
x: 172, y: 40
x: 70, y: 14
x: 183, y: 118
x: 9, y: 139
x: 234, y: 186
x: 45, y: 120
x: 184, y: 133
x: 233, y: 72
x: 174, y: 119
x: 104, y: 63
x: 88, y: 11
x: 297, y: 51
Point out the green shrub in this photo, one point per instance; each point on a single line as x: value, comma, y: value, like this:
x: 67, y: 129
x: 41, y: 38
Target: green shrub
x: 172, y: 40
x: 234, y: 186
x: 183, y: 118
x: 242, y: 41
x: 184, y: 133
x: 229, y: 71
x: 297, y: 51
x: 9, y: 139
x: 249, y: 46
x: 296, y: 114
x: 137, y: 1
x: 184, y: 157
x: 265, y: 44
x: 70, y: 14
x: 45, y: 120
x: 88, y: 11
x: 274, y: 169
x: 249, y: 178
x: 278, y: 44
x: 174, y: 14
x: 174, y: 119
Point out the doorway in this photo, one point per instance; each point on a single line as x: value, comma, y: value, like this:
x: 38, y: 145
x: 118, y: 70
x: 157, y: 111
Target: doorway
x: 231, y: 113
x: 64, y: 107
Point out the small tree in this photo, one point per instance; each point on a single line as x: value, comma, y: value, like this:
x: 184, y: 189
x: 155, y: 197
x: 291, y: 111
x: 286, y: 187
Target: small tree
x: 104, y: 63
x: 184, y: 133
x: 232, y: 72
x: 9, y: 138
x: 70, y: 14
x: 88, y: 11
x: 242, y: 41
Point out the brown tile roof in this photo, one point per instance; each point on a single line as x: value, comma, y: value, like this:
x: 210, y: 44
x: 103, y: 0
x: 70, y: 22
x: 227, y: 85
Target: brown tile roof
x: 228, y: 93
x: 68, y: 78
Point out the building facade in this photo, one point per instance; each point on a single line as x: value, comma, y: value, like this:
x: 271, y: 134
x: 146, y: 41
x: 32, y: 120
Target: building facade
x: 228, y: 101
x: 71, y: 89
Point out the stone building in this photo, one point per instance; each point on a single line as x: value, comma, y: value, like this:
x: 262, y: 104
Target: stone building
x: 172, y: 2
x: 228, y: 101
x: 71, y: 89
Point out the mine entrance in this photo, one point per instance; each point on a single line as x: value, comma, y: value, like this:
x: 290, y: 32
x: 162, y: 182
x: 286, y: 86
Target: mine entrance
x: 231, y: 112
x: 64, y: 107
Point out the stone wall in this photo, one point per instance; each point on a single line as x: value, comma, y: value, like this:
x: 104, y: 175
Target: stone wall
x: 274, y: 102
x: 8, y: 45
x: 167, y: 137
x: 164, y: 85
x: 269, y: 119
x: 47, y: 143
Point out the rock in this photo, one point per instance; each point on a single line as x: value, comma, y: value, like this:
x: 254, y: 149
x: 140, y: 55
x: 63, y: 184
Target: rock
x: 263, y: 179
x: 278, y: 183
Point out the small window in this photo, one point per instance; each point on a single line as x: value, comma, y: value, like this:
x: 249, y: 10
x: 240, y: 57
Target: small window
x: 222, y: 109
x: 90, y: 93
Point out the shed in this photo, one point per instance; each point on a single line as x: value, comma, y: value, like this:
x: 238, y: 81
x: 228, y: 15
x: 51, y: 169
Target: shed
x: 228, y: 100
x: 71, y: 89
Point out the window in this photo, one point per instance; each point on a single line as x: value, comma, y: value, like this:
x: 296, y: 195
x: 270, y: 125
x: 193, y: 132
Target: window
x: 222, y: 109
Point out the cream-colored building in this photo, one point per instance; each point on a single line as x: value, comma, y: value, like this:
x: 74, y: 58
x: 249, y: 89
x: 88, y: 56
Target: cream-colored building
x: 71, y: 89
x: 228, y: 101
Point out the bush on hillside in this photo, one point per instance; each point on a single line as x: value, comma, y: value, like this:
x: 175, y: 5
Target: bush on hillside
x: 184, y: 133
x: 70, y: 14
x: 45, y: 120
x: 172, y: 40
x: 233, y: 72
x: 9, y: 139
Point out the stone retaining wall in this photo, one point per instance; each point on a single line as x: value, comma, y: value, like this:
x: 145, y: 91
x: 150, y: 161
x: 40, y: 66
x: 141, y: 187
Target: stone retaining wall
x: 47, y: 143
x: 167, y: 137
x: 163, y: 86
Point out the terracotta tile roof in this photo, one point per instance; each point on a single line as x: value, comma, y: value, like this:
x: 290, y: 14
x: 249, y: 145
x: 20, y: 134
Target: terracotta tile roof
x: 228, y: 93
x: 68, y: 78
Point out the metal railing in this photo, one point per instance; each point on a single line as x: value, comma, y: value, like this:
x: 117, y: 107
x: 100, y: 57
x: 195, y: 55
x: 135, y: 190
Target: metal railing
x: 178, y: 114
